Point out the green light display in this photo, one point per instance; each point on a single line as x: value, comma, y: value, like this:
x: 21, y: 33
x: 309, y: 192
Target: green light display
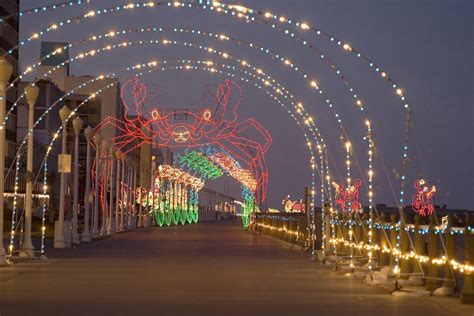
x: 198, y: 162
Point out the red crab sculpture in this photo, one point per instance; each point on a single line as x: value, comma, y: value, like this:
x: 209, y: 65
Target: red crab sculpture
x: 422, y: 203
x: 348, y: 198
x: 202, y: 127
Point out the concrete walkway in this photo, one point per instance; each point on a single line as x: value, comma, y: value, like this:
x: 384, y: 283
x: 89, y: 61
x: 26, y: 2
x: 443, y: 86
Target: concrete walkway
x: 203, y: 269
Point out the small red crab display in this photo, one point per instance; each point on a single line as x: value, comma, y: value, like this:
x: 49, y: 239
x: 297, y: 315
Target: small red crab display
x: 348, y: 198
x: 422, y: 202
x: 217, y: 127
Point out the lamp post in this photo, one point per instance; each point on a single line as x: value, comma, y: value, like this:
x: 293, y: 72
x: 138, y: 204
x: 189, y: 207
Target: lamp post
x: 126, y: 192
x: 27, y: 248
x: 123, y: 192
x: 129, y: 193
x: 118, y: 190
x: 77, y: 124
x: 134, y: 190
x: 86, y: 235
x: 132, y: 220
x: 111, y: 224
x: 95, y: 218
x: 59, y: 240
x: 103, y: 230
x: 5, y: 74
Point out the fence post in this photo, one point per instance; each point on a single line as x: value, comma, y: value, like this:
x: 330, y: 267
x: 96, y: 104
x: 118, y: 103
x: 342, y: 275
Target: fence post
x: 327, y: 228
x: 281, y: 226
x: 405, y: 265
x: 339, y: 231
x: 393, y: 239
x: 365, y: 234
x: 419, y: 246
x: 345, y: 231
x: 431, y: 282
x: 357, y: 231
x: 448, y: 284
x: 382, y: 241
x: 293, y: 228
x: 467, y: 294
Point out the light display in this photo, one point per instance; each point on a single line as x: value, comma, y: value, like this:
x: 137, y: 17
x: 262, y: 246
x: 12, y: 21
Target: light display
x: 422, y: 202
x: 222, y: 129
x: 210, y: 161
x: 138, y: 66
x: 181, y: 134
x: 198, y: 162
x: 348, y: 197
x: 248, y: 14
x: 248, y: 208
x: 288, y: 63
x: 293, y: 206
x: 174, y: 198
x: 151, y: 64
x: 233, y: 168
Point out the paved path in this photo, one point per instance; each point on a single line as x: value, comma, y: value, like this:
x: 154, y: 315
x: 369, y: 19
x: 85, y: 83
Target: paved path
x: 203, y: 269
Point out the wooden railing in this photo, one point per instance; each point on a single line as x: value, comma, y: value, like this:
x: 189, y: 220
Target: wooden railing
x: 438, y: 251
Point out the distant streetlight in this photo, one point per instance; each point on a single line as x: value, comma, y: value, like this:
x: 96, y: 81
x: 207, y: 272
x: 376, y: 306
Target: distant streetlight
x: 95, y: 218
x: 77, y: 124
x: 111, y: 226
x: 59, y: 240
x: 118, y: 227
x: 27, y: 248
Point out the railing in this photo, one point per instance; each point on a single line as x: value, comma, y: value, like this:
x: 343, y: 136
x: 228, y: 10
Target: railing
x: 423, y: 251
x: 290, y: 227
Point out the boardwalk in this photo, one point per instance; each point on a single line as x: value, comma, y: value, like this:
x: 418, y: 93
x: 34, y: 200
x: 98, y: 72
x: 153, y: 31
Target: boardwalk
x: 203, y: 269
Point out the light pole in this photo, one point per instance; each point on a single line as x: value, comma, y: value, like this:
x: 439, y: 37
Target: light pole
x: 126, y: 192
x: 27, y: 248
x: 77, y: 124
x: 59, y: 240
x: 118, y: 190
x: 132, y: 220
x: 111, y: 226
x: 129, y: 193
x: 95, y: 219
x: 5, y: 74
x: 103, y: 230
x: 86, y: 235
x: 123, y: 192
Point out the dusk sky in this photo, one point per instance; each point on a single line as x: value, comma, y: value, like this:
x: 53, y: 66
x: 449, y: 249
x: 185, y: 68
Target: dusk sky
x: 425, y: 45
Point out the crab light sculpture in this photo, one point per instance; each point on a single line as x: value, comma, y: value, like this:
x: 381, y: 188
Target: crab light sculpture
x: 293, y: 206
x: 422, y: 202
x: 348, y: 197
x: 219, y: 128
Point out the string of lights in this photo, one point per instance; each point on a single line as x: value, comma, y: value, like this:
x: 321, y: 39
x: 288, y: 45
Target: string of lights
x: 180, y: 67
x: 281, y: 19
x: 463, y: 268
x: 124, y: 44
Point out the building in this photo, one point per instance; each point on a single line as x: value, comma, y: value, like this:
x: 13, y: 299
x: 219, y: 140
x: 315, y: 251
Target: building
x: 56, y: 86
x: 8, y: 40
